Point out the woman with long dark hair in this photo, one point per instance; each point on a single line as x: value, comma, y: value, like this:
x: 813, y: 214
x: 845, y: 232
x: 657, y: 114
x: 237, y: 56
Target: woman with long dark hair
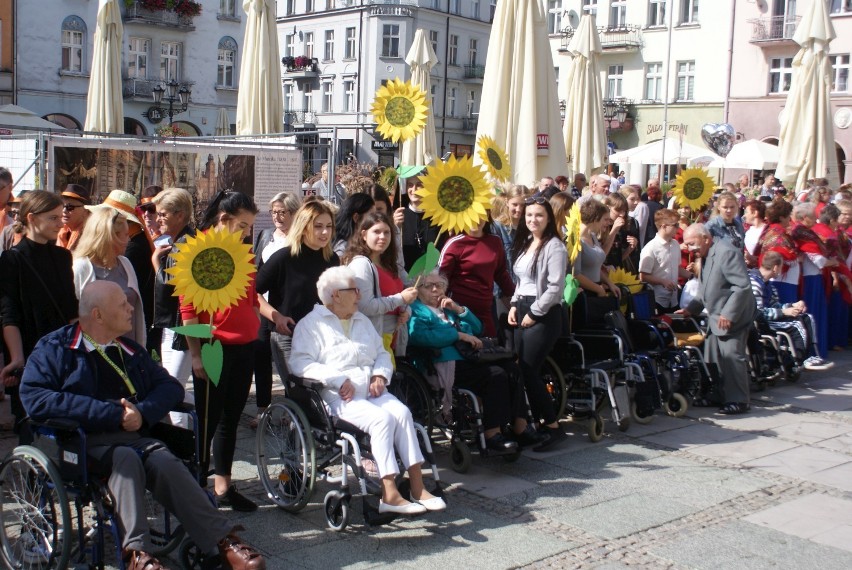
x: 221, y: 406
x: 349, y: 217
x: 539, y: 260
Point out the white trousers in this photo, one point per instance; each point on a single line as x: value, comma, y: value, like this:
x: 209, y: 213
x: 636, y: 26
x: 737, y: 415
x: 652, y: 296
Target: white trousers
x: 389, y: 424
x: 178, y: 363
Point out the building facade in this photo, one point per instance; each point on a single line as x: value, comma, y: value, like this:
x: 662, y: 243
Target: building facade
x: 337, y: 53
x: 7, y: 52
x: 201, y: 52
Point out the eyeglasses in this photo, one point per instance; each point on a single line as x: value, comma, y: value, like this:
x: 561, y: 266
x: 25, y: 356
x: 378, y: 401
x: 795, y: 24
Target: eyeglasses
x: 355, y: 289
x: 434, y: 285
x: 279, y: 213
x: 537, y: 200
x: 14, y: 213
x: 163, y: 214
x: 70, y: 207
x: 148, y: 209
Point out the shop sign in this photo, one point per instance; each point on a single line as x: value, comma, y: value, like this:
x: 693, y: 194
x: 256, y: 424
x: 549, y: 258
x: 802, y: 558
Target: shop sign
x: 658, y: 128
x: 384, y: 145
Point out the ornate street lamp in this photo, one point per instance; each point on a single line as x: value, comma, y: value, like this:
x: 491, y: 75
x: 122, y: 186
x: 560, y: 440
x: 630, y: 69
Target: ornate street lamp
x: 170, y: 99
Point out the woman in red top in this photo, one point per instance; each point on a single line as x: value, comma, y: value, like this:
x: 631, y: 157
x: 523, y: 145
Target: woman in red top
x: 236, y: 328
x: 473, y: 262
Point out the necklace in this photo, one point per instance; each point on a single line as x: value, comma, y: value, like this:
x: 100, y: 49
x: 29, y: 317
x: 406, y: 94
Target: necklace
x: 119, y: 370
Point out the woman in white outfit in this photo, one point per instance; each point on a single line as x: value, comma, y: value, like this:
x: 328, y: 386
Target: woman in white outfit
x: 338, y: 346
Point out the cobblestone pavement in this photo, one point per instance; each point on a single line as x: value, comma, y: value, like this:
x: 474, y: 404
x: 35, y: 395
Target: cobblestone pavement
x: 770, y: 489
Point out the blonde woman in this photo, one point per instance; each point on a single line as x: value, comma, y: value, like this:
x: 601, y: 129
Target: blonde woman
x: 510, y: 203
x: 99, y: 257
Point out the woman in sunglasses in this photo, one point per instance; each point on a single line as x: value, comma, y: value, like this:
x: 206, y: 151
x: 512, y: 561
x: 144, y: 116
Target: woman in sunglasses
x: 539, y: 260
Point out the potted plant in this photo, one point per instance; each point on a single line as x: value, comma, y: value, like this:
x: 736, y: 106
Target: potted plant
x: 170, y: 131
x: 289, y: 62
x: 302, y: 62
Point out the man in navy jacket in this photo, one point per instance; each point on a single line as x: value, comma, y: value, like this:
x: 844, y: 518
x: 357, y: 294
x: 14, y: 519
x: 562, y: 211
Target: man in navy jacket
x: 88, y: 373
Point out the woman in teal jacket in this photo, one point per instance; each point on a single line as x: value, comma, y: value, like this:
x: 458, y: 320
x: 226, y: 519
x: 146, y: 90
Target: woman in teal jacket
x: 438, y: 322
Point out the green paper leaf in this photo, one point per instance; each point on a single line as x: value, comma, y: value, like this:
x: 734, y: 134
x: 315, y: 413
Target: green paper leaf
x: 195, y: 331
x: 572, y: 288
x: 409, y: 171
x: 211, y: 358
x: 426, y: 263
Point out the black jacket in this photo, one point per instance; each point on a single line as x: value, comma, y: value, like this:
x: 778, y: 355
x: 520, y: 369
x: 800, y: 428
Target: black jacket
x: 166, y: 304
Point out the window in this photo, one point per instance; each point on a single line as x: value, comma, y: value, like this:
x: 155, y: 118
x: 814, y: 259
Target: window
x: 554, y: 16
x: 350, y: 44
x: 390, y: 40
x: 617, y: 13
x: 780, y: 74
x: 656, y: 13
x: 471, y: 52
x: 654, y: 82
x: 433, y: 39
x: 349, y: 95
x: 309, y: 44
x: 170, y: 61
x: 291, y: 7
x: 615, y: 77
x: 471, y: 103
x: 309, y: 6
x: 327, y: 97
x: 493, y: 10
x: 309, y: 97
x: 451, y: 102
x: 290, y: 45
x: 137, y: 58
x: 689, y: 11
x: 436, y: 4
x: 73, y: 38
x: 288, y: 96
x: 227, y: 56
x: 841, y: 6
x: 328, y: 55
x: 590, y: 7
x: 453, y: 54
x: 228, y: 8
x: 329, y: 4
x: 454, y: 7
x: 474, y: 9
x: 685, y: 80
x: 840, y: 73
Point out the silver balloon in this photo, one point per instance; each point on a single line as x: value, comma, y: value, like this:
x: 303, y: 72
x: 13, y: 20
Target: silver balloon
x: 719, y: 137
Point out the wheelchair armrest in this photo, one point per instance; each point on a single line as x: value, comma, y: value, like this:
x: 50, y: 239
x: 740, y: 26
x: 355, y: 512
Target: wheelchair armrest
x: 61, y: 424
x: 306, y: 383
x: 184, y: 407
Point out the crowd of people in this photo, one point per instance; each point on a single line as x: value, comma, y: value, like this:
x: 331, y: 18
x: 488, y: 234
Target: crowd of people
x: 332, y: 300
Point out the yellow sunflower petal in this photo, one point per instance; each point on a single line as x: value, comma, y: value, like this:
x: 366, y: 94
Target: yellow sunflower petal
x: 399, y: 108
x: 494, y: 159
x: 694, y: 188
x: 456, y: 195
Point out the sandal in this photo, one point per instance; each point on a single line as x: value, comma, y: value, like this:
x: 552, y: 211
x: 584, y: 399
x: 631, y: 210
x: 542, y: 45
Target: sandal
x: 734, y: 408
x: 703, y: 403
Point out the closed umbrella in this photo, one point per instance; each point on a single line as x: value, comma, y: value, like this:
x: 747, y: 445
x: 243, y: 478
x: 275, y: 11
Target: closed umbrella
x: 807, y: 133
x: 520, y: 107
x: 223, y: 123
x: 584, y: 129
x: 259, y: 104
x: 105, y: 103
x: 422, y: 149
x: 677, y: 152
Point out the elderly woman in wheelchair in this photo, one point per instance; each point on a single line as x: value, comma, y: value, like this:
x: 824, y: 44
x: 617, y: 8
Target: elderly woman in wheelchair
x: 339, y: 347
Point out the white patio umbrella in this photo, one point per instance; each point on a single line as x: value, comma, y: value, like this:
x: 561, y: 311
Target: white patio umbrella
x: 749, y: 155
x: 520, y: 107
x: 223, y: 123
x: 105, y: 102
x: 677, y: 152
x: 13, y: 116
x: 807, y: 133
x: 422, y: 149
x: 584, y: 129
x: 260, y: 107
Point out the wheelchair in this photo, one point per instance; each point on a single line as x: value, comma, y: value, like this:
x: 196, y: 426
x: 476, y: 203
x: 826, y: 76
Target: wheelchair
x: 56, y: 508
x: 299, y: 442
x: 772, y: 355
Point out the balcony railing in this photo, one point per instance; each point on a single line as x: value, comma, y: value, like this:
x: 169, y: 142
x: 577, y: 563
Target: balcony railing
x: 773, y: 29
x: 300, y: 67
x: 137, y: 14
x: 470, y: 123
x: 138, y: 88
x: 621, y: 38
x: 300, y: 117
x: 474, y: 71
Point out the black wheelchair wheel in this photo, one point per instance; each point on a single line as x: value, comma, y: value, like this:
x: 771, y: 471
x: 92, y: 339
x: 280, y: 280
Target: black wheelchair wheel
x: 35, y: 514
x: 166, y: 531
x: 412, y: 389
x: 554, y: 381
x: 336, y: 508
x: 191, y: 557
x: 460, y: 456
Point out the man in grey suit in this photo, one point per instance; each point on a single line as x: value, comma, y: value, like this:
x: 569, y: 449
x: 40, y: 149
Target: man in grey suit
x: 725, y: 291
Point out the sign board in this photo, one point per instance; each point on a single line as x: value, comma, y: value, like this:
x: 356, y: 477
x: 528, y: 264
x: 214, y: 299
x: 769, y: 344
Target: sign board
x: 384, y: 145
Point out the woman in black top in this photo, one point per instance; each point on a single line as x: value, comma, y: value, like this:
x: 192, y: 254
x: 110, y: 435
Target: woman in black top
x: 622, y: 243
x: 29, y: 308
x: 290, y: 275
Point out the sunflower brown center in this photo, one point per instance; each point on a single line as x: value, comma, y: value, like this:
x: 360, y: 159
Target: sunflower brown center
x: 213, y: 268
x: 494, y: 159
x: 693, y: 188
x: 455, y: 194
x: 399, y: 111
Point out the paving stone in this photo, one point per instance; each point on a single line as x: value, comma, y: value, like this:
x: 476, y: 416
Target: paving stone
x: 816, y: 517
x: 811, y: 430
x: 691, y: 436
x: 743, y: 448
x: 799, y: 462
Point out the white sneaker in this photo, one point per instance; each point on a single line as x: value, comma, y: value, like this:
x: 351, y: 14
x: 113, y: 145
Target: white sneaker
x: 817, y: 363
x: 406, y: 509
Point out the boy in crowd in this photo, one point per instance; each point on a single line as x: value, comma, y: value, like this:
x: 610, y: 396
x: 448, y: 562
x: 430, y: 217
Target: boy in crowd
x: 659, y: 262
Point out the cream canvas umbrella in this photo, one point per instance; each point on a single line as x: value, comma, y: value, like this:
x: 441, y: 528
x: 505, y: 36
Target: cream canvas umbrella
x: 15, y: 117
x: 105, y: 103
x: 520, y: 107
x: 422, y: 149
x: 584, y: 129
x: 806, y: 146
x: 749, y: 155
x: 223, y: 123
x: 677, y: 152
x: 260, y: 108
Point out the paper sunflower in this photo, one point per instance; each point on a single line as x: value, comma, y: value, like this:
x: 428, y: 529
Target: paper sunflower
x: 630, y: 280
x: 212, y: 270
x: 693, y: 188
x: 455, y: 194
x: 494, y: 158
x: 400, y: 110
x: 572, y: 232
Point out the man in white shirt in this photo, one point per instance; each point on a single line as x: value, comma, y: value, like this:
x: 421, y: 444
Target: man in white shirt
x: 659, y: 262
x: 335, y: 194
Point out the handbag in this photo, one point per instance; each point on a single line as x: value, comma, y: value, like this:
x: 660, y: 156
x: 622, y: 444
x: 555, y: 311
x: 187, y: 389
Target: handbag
x: 490, y: 351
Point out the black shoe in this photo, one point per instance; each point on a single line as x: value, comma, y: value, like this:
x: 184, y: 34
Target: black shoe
x: 236, y: 500
x: 500, y: 444
x: 734, y: 408
x: 529, y: 437
x: 554, y: 436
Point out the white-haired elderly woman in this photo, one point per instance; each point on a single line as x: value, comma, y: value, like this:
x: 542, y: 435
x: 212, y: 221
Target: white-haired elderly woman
x: 338, y: 346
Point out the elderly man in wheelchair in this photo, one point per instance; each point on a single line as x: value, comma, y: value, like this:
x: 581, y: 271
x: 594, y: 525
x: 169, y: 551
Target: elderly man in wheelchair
x: 109, y: 386
x: 339, y: 347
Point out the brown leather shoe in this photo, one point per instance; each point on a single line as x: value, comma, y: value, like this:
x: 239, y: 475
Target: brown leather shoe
x: 238, y: 555
x: 138, y: 560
